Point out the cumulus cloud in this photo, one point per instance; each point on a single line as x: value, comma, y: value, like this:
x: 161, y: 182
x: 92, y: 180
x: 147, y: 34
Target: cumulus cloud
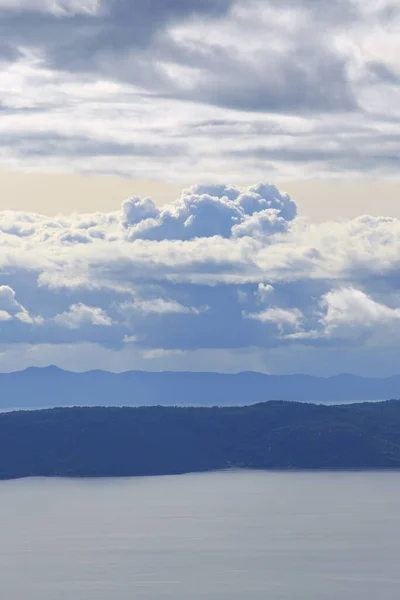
x: 349, y: 314
x: 135, y: 210
x: 162, y: 90
x: 281, y: 317
x: 8, y: 300
x: 79, y: 315
x: 349, y: 310
x: 207, y: 211
x: 162, y: 282
x: 11, y: 309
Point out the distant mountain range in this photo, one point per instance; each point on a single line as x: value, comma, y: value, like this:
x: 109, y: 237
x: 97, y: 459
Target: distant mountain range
x: 51, y: 387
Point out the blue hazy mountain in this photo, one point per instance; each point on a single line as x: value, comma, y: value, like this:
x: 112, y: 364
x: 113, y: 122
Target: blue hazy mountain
x: 51, y: 386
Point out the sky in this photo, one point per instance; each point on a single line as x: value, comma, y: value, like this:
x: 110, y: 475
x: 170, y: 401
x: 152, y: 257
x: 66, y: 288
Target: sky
x: 200, y: 185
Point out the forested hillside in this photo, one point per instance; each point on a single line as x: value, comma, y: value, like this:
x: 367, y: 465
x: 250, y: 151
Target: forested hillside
x: 157, y: 440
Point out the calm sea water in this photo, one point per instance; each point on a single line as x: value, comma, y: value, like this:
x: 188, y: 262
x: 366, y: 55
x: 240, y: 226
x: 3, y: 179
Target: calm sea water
x: 236, y: 535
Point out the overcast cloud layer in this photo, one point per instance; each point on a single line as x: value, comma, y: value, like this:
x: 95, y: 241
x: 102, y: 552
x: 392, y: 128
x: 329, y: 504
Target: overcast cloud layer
x: 225, y: 278
x: 237, y: 90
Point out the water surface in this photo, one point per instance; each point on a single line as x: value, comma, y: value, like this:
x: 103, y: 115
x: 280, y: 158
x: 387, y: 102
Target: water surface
x: 236, y: 535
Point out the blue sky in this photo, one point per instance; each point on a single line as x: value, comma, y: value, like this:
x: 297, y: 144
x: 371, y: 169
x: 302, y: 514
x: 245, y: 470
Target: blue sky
x: 228, y: 276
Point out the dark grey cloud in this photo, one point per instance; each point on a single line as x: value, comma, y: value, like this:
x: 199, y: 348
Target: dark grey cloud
x: 8, y: 52
x: 383, y: 73
x: 332, y: 12
x: 308, y: 76
x: 113, y: 42
x: 127, y: 39
x: 50, y: 144
x: 152, y: 84
x: 307, y: 84
x: 77, y: 41
x: 360, y: 150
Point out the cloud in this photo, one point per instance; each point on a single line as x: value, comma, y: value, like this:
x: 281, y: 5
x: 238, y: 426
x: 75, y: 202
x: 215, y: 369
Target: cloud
x: 57, y: 8
x: 135, y: 210
x: 160, y: 306
x: 281, y: 317
x: 5, y: 316
x: 349, y: 310
x: 263, y: 292
x: 8, y: 300
x: 130, y: 339
x: 11, y: 309
x: 93, y: 35
x: 79, y: 315
x: 162, y: 90
x: 349, y: 314
x: 207, y: 211
x: 179, y: 279
x: 161, y: 353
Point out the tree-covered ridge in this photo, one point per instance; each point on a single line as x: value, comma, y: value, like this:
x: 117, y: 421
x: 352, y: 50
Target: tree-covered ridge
x: 157, y: 440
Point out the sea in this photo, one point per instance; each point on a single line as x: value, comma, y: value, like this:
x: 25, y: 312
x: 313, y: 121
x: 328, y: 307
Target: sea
x: 239, y: 535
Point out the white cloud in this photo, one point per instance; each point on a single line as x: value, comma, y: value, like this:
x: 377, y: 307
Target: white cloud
x: 134, y: 210
x: 348, y: 314
x: 264, y: 292
x: 24, y: 317
x: 200, y: 287
x: 79, y: 315
x: 5, y: 316
x: 58, y: 8
x: 130, y: 339
x: 349, y: 310
x: 8, y: 300
x: 82, y: 91
x: 281, y: 317
x: 158, y: 353
x: 11, y: 309
x: 207, y: 211
x: 160, y: 306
